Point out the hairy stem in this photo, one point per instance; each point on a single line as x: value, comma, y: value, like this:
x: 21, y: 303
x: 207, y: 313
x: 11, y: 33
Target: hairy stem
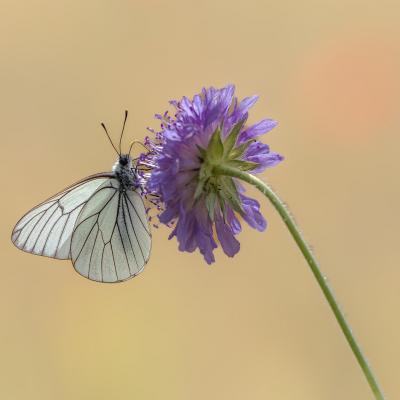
x: 312, y: 262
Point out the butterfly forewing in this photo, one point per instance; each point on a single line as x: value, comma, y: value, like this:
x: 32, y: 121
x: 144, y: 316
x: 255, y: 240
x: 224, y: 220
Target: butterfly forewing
x: 47, y: 229
x: 111, y: 241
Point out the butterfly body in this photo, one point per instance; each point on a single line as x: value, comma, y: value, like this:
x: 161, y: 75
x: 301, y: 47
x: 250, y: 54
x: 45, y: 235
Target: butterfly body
x: 99, y: 223
x: 125, y: 173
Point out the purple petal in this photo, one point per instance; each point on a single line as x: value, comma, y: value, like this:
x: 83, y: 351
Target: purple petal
x: 257, y: 129
x: 256, y: 148
x: 197, y: 104
x: 246, y: 104
x: 171, y: 135
x: 206, y: 246
x: 233, y: 221
x: 185, y: 233
x: 226, y: 97
x: 168, y: 215
x: 252, y: 213
x: 204, y: 233
x: 259, y: 153
x: 228, y: 241
x: 266, y: 161
x: 186, y: 106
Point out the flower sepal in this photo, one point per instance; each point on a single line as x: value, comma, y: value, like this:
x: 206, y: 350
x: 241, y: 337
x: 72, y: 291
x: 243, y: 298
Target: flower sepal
x: 242, y: 165
x: 213, y: 186
x: 228, y: 194
x: 230, y: 141
x: 215, y: 149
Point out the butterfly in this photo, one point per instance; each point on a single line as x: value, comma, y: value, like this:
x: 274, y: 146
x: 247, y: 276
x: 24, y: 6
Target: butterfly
x: 99, y: 223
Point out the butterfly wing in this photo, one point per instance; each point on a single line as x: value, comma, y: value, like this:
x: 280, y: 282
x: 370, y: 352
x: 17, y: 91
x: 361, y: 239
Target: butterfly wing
x: 111, y: 241
x: 46, y: 229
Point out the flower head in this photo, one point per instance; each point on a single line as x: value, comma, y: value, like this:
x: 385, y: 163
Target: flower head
x: 193, y: 197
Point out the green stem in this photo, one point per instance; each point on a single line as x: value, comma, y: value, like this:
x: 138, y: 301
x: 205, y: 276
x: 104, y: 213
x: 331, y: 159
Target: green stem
x: 312, y: 262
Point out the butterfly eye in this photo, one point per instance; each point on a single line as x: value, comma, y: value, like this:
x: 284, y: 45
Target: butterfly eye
x: 123, y: 161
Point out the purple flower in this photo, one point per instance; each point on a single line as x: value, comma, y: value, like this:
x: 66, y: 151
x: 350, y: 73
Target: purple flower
x: 192, y: 198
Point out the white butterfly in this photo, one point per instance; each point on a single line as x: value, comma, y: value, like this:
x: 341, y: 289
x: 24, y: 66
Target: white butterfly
x: 100, y: 223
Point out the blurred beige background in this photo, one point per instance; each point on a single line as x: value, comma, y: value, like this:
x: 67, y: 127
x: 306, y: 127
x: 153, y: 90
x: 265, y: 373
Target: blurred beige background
x: 252, y: 327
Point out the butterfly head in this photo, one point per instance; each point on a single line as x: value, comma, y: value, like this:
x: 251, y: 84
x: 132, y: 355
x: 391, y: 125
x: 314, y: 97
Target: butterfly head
x: 124, y: 162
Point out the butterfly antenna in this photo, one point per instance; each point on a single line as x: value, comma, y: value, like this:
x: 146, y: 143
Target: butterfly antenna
x: 123, y: 128
x: 137, y: 142
x: 112, y: 144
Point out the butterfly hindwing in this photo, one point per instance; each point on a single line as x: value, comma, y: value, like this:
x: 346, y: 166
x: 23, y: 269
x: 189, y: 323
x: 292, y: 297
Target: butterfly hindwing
x: 111, y: 241
x: 47, y: 229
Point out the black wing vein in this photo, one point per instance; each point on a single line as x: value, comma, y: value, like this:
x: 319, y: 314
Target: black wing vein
x: 46, y: 229
x: 114, y: 257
